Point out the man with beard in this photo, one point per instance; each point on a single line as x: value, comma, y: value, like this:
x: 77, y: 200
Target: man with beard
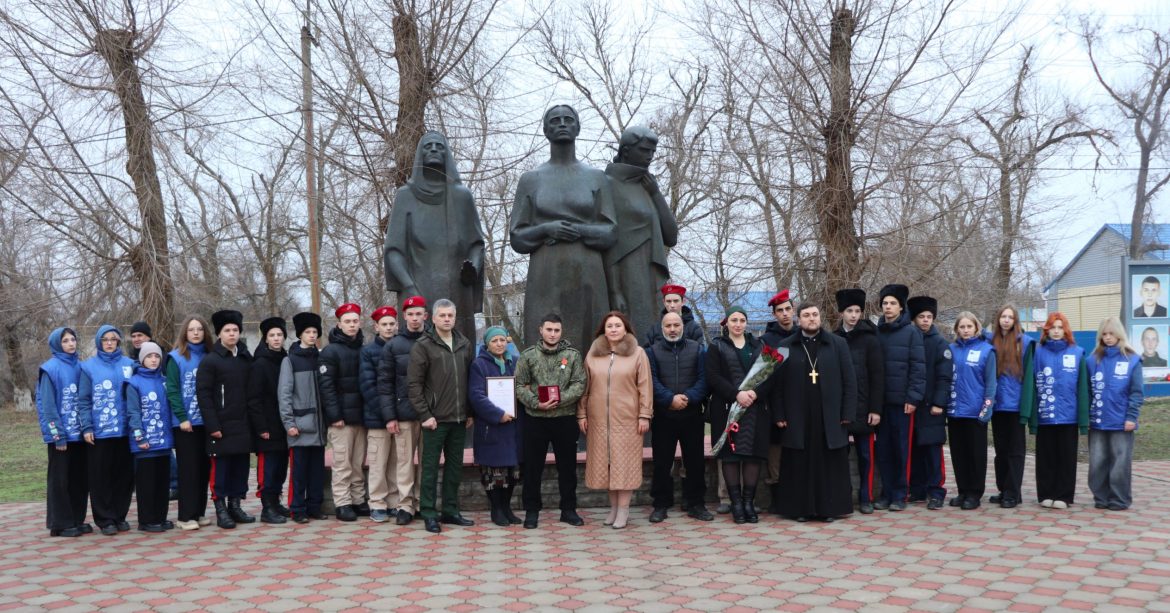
x: 672, y: 302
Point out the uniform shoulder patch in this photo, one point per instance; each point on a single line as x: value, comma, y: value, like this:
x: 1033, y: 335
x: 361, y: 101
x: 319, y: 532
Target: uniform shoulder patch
x: 947, y: 353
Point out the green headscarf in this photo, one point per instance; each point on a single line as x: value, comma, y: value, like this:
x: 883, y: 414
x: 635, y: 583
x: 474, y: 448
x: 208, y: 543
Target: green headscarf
x: 488, y: 335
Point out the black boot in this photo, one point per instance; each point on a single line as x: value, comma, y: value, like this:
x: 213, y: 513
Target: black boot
x: 737, y: 513
x: 494, y: 499
x: 223, y: 519
x: 238, y: 513
x: 749, y: 505
x: 279, y: 508
x: 269, y: 514
x: 506, y: 497
x: 774, y: 494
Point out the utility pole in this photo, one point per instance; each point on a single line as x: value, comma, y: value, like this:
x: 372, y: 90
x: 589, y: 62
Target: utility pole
x: 310, y: 161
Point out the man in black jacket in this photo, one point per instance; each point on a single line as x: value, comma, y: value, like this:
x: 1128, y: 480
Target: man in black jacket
x: 870, y: 370
x: 394, y: 403
x: 221, y: 387
x: 268, y: 434
x: 341, y: 396
x: 672, y: 302
x: 776, y: 331
x: 383, y: 493
x: 930, y: 426
x: 905, y: 386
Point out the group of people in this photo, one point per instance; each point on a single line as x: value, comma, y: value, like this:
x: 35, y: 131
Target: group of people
x: 897, y: 390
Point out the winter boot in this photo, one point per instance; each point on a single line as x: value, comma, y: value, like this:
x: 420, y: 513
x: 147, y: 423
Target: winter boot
x: 737, y: 510
x: 498, y: 517
x: 269, y: 514
x: 774, y: 495
x: 223, y: 519
x: 279, y: 508
x: 238, y: 513
x: 749, y: 505
x: 506, y: 497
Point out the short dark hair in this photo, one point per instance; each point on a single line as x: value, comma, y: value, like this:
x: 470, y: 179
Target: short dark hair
x: 550, y: 318
x: 804, y: 306
x: 1152, y: 280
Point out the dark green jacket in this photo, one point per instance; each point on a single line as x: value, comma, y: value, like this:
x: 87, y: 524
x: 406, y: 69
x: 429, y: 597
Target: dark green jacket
x: 561, y: 367
x: 437, y: 377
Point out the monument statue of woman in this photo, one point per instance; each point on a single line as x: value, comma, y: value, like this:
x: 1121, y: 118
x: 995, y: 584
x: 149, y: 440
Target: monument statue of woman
x: 564, y: 219
x: 434, y: 242
x: 645, y: 228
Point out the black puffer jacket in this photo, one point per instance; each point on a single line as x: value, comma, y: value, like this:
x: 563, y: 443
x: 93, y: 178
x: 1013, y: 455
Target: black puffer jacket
x: 905, y: 361
x: 393, y: 391
x: 724, y: 373
x: 221, y: 386
x: 773, y: 333
x: 340, y: 366
x: 931, y: 429
x: 869, y: 366
x: 691, y: 329
x: 263, y: 408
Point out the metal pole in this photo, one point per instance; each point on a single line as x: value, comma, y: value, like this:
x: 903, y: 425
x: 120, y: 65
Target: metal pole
x: 310, y: 163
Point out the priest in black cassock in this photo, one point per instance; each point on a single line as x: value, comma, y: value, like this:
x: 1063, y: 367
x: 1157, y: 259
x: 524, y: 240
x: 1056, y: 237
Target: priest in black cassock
x: 813, y: 400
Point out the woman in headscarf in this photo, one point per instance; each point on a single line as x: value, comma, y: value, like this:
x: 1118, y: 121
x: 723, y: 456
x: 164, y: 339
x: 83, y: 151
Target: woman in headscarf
x: 496, y: 438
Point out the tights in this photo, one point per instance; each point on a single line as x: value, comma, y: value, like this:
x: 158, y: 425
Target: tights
x: 750, y: 470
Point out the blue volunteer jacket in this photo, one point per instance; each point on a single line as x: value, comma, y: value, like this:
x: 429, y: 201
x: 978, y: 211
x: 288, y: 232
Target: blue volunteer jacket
x: 57, y: 386
x: 185, y: 371
x: 101, y: 405
x: 1117, y: 389
x: 1009, y: 388
x: 148, y: 414
x: 1058, y: 393
x: 974, y: 382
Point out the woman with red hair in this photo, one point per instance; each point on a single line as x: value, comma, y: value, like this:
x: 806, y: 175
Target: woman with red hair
x: 1055, y: 405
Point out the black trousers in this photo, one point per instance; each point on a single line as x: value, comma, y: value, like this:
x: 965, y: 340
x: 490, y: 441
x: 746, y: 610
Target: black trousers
x: 561, y: 433
x: 194, y: 472
x: 152, y: 479
x: 685, y: 430
x: 1056, y: 462
x: 968, y: 456
x: 271, y: 472
x: 1010, y: 446
x: 67, y: 486
x: 306, y: 491
x: 229, y: 475
x: 111, y: 480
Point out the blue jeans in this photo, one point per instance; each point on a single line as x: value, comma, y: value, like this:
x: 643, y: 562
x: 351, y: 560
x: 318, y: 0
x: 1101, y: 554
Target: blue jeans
x: 1110, y: 466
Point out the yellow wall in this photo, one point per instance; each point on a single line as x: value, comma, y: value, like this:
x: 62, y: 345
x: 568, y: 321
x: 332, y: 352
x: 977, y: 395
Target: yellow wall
x: 1085, y: 307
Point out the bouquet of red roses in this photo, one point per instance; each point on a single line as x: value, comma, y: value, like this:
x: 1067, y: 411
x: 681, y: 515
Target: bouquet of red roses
x: 761, y: 369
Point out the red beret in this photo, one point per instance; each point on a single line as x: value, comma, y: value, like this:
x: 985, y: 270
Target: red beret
x: 780, y: 298
x: 348, y: 307
x: 414, y: 301
x: 384, y: 311
x: 674, y: 289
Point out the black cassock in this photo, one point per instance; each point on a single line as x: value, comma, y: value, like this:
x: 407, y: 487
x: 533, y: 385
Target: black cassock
x: 814, y: 480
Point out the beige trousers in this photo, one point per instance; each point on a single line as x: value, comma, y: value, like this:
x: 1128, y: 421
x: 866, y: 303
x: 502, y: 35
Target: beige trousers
x: 349, y: 453
x: 383, y: 485
x: 772, y: 477
x: 402, y: 467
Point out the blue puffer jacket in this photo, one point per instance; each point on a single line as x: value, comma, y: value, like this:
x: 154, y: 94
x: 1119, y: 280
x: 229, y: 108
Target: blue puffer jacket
x: 371, y: 356
x: 149, y: 414
x: 101, y: 405
x: 975, y: 380
x: 495, y: 444
x: 1059, y: 390
x: 57, y: 393
x: 932, y: 429
x: 905, y: 361
x: 1009, y: 388
x: 1117, y: 389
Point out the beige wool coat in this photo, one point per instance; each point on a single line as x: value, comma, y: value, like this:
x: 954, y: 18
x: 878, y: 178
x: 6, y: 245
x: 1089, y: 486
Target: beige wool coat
x: 618, y: 391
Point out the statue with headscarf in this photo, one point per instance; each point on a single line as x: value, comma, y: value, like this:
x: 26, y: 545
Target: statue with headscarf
x: 434, y: 242
x: 645, y: 228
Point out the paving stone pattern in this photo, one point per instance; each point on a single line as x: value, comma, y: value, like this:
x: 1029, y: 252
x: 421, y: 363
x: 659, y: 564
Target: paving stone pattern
x: 1026, y: 559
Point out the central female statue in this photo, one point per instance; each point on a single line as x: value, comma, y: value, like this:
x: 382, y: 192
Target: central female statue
x: 564, y: 219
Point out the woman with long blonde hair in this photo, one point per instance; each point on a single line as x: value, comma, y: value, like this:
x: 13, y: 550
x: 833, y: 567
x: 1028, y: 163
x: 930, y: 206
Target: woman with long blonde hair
x: 1116, y: 372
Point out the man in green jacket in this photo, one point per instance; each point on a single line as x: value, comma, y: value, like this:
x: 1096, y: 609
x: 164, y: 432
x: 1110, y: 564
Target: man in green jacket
x: 437, y: 380
x: 551, y: 364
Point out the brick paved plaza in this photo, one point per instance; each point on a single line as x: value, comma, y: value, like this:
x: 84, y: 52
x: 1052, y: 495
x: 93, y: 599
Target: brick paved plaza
x: 1026, y: 559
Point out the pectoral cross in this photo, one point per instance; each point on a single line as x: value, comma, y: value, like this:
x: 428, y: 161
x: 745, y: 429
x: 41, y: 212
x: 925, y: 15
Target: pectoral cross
x: 813, y: 375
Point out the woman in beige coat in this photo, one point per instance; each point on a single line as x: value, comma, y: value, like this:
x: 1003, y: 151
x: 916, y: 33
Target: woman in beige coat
x: 614, y: 413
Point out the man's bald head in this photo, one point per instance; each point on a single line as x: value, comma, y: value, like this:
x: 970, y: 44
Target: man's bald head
x: 672, y: 326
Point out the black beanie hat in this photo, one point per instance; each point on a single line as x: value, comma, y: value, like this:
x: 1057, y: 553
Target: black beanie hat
x: 270, y: 323
x: 219, y: 319
x: 898, y: 291
x: 850, y: 297
x: 921, y: 304
x: 301, y: 321
x: 142, y: 327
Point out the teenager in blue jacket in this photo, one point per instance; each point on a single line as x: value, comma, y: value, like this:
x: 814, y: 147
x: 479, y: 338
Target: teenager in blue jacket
x: 1013, y: 353
x: 149, y: 418
x: 971, y: 407
x: 383, y: 486
x: 1055, y: 405
x: 102, y: 410
x: 496, y: 438
x: 190, y: 435
x: 68, y: 478
x: 905, y: 389
x: 1116, y: 372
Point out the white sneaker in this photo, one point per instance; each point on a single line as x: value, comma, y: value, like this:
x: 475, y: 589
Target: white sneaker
x: 203, y: 521
x: 190, y: 524
x: 1047, y: 503
x: 1059, y: 504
